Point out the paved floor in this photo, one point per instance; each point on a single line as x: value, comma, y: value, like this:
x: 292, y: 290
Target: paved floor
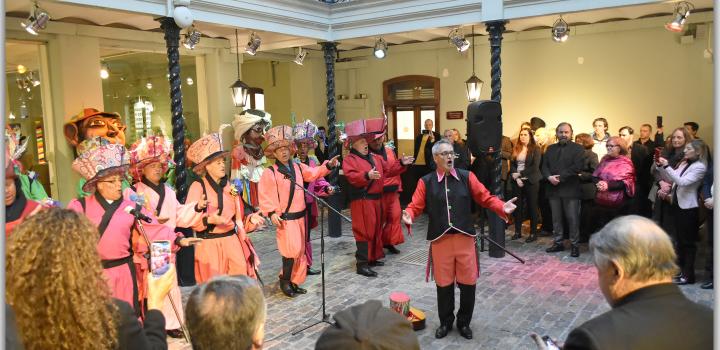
x: 549, y: 294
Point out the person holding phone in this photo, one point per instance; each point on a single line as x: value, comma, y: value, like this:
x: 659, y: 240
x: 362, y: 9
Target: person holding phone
x: 149, y: 161
x: 525, y: 173
x: 226, y: 247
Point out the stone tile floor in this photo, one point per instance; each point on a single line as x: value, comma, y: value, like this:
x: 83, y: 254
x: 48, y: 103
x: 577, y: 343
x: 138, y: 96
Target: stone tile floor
x: 549, y: 294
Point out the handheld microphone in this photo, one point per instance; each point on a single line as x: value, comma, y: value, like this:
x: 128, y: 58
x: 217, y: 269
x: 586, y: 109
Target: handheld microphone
x: 137, y: 213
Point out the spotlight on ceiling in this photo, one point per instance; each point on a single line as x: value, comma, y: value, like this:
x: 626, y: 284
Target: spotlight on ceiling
x: 380, y: 50
x: 680, y: 15
x: 192, y: 38
x: 253, y: 44
x: 36, y: 21
x: 21, y: 69
x: 560, y: 31
x: 300, y: 57
x: 457, y: 37
x: 104, y: 70
x: 190, y: 81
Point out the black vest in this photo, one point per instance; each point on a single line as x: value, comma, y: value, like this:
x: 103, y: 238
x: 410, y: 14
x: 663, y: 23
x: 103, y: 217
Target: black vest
x: 449, y: 197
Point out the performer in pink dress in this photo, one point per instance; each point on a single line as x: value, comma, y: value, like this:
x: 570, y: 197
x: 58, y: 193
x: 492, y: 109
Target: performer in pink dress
x: 103, y: 166
x: 226, y: 248
x: 149, y: 159
x: 284, y: 203
x: 304, y: 134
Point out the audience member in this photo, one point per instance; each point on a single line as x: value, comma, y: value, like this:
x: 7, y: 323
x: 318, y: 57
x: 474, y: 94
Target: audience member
x: 536, y: 123
x: 423, y: 157
x: 525, y: 173
x: 322, y: 146
x: 634, y: 259
x: 707, y: 197
x: 600, y: 136
x: 227, y: 312
x: 615, y: 182
x: 645, y: 140
x: 543, y: 140
x: 56, y: 286
x: 462, y: 160
x: 561, y: 166
x: 642, y: 161
x: 673, y: 152
x: 692, y: 128
x: 506, y: 149
x: 457, y: 137
x: 687, y: 177
x: 368, y: 326
x: 587, y: 186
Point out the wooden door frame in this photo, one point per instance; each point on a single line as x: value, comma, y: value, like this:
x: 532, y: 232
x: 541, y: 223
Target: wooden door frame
x: 391, y: 105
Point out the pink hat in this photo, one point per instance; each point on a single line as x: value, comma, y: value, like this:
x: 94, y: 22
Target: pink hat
x: 100, y: 159
x: 149, y: 150
x: 205, y: 150
x: 358, y: 129
x: 377, y: 126
x: 277, y: 137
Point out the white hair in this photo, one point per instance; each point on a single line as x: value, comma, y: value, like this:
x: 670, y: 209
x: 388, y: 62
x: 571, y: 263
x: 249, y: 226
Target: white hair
x: 638, y: 245
x: 437, y: 144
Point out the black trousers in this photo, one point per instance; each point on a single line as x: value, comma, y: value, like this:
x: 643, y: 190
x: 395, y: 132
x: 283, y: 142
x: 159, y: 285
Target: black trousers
x: 709, y: 258
x: 185, y: 262
x: 527, y: 205
x: 687, y: 224
x: 545, y: 210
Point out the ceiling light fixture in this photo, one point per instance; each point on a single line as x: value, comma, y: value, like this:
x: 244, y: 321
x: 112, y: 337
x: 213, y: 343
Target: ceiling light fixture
x: 104, y: 70
x: 192, y: 38
x: 300, y: 57
x: 253, y: 44
x: 680, y: 15
x: 560, y: 31
x: 239, y: 88
x: 21, y: 69
x: 149, y: 85
x: 457, y: 37
x: 380, y: 50
x: 36, y: 21
x: 473, y: 84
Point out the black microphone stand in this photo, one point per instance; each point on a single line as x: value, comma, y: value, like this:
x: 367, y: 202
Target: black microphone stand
x: 321, y: 202
x: 141, y: 228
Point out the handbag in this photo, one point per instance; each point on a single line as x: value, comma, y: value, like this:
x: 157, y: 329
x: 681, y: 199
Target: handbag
x: 610, y: 198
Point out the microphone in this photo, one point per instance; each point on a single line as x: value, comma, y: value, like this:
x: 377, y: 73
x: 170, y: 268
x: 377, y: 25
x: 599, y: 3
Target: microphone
x: 137, y: 213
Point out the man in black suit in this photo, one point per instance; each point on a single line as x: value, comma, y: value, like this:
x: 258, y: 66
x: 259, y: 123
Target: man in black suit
x: 635, y: 261
x: 423, y: 159
x: 561, y: 165
x: 642, y: 160
x: 645, y: 140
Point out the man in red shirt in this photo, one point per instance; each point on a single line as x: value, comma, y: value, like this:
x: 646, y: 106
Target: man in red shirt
x: 445, y: 196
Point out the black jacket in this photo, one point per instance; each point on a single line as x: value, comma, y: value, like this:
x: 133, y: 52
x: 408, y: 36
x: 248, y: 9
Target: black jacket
x: 428, y: 147
x: 133, y: 336
x: 587, y: 185
x: 642, y: 161
x: 567, y: 161
x: 652, y: 318
x: 532, y: 166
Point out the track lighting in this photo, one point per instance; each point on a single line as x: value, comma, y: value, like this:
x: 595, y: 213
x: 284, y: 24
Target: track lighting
x: 560, y: 30
x: 36, y: 21
x: 192, y: 38
x: 457, y: 37
x: 104, y: 70
x: 680, y: 15
x: 253, y: 44
x: 300, y: 57
x: 380, y: 50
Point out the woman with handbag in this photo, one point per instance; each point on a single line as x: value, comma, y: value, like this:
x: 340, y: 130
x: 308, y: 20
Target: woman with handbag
x: 525, y: 172
x: 614, y: 179
x: 687, y: 177
x: 673, y: 152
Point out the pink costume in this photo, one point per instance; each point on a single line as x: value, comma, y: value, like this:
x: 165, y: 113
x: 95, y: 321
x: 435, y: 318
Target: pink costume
x: 278, y: 195
x: 319, y: 188
x: 226, y: 248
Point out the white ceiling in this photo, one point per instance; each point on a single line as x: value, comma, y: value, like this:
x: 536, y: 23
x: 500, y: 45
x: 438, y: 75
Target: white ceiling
x: 271, y: 41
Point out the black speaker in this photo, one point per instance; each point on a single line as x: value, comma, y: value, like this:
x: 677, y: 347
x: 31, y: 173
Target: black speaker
x: 484, y: 126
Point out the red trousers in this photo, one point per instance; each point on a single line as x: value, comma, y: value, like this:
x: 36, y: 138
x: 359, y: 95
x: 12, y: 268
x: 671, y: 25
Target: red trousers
x: 367, y: 225
x: 454, y: 258
x: 391, y: 231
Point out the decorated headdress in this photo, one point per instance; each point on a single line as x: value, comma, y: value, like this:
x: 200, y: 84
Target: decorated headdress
x: 72, y: 127
x: 249, y: 117
x: 100, y: 159
x: 149, y: 150
x: 358, y: 129
x: 277, y: 137
x: 305, y: 133
x: 206, y: 149
x: 15, y: 147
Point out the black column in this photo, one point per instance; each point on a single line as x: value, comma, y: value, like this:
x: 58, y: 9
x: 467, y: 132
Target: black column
x: 497, y: 225
x: 172, y: 41
x: 336, y: 200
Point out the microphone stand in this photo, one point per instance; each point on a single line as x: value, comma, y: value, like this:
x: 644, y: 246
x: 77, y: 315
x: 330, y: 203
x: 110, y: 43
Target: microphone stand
x: 321, y: 202
x: 141, y: 228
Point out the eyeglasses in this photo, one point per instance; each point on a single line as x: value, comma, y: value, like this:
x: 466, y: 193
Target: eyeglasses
x: 112, y: 181
x: 611, y: 146
x: 446, y: 153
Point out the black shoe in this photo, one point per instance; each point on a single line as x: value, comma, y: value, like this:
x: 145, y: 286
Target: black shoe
x: 531, y: 238
x: 574, y: 251
x: 556, y: 247
x: 465, y: 331
x: 297, y: 289
x: 311, y: 271
x: 286, y: 288
x: 366, y: 271
x: 175, y: 333
x: 442, y: 331
x: 377, y: 263
x: 392, y: 250
x: 707, y: 285
x: 517, y: 235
